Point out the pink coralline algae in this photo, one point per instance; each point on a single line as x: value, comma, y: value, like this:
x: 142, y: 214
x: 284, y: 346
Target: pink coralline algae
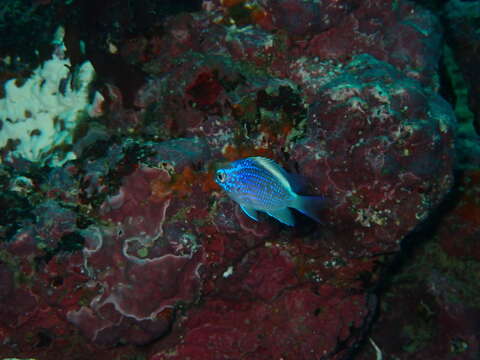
x: 376, y: 150
x: 139, y: 274
x: 300, y: 18
x: 133, y: 250
x: 286, y: 327
x: 264, y: 309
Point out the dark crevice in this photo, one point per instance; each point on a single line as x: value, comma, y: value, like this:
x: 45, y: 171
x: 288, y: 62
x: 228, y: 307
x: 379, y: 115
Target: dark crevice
x: 69, y: 243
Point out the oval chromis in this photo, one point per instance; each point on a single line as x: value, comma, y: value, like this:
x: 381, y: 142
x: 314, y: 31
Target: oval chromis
x: 260, y: 184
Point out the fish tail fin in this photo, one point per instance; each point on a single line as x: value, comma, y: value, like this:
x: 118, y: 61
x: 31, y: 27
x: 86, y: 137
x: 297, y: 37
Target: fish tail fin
x: 310, y: 206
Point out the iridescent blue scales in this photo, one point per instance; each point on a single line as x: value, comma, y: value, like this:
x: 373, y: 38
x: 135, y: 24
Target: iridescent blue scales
x: 260, y: 184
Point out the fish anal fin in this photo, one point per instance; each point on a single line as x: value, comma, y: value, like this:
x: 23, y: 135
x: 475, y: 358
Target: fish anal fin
x: 283, y: 215
x: 251, y: 212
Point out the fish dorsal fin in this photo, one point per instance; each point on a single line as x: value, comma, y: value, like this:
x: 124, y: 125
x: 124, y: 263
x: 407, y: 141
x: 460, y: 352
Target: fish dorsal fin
x: 280, y: 173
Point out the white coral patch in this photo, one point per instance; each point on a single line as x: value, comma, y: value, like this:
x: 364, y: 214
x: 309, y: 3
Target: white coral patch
x: 41, y: 113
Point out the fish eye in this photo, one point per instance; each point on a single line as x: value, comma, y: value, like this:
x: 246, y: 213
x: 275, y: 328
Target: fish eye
x: 220, y: 176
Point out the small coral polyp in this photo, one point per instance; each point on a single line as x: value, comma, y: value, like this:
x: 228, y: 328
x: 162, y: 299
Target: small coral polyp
x: 40, y: 115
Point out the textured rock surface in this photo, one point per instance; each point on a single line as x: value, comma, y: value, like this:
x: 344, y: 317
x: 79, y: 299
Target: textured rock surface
x: 430, y: 309
x: 134, y: 244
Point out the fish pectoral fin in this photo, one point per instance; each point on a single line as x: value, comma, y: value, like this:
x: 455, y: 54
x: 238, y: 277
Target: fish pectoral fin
x: 251, y: 212
x: 283, y: 215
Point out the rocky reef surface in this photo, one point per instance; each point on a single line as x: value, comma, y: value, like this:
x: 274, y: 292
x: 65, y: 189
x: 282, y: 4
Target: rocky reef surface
x: 118, y: 243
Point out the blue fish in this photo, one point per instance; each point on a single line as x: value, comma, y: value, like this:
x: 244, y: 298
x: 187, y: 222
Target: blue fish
x: 260, y: 184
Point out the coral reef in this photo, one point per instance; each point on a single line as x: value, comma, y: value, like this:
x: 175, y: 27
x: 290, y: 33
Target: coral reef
x: 128, y: 248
